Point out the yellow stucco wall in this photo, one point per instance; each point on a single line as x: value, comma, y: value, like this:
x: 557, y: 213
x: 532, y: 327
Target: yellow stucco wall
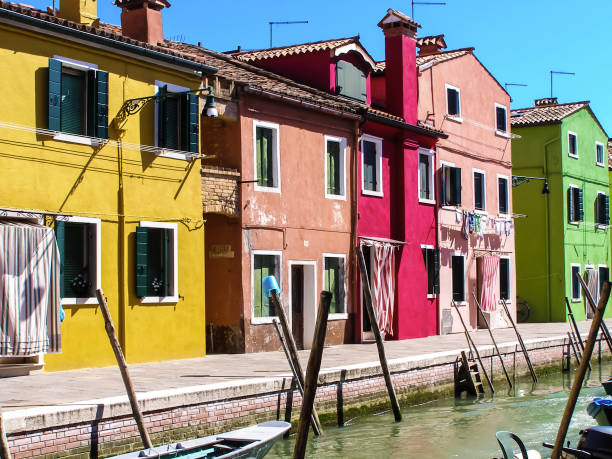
x: 43, y: 174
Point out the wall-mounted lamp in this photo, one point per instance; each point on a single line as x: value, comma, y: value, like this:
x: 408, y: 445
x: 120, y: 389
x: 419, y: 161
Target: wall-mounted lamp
x: 520, y: 179
x: 209, y: 107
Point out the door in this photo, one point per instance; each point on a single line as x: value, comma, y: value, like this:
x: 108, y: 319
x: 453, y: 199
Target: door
x: 366, y: 327
x: 297, y: 305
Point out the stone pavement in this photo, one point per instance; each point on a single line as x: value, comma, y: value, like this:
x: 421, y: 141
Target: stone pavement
x: 72, y: 387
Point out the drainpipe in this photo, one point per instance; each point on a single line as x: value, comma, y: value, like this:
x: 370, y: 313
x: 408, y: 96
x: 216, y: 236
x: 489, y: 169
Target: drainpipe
x: 548, y: 263
x: 354, y: 224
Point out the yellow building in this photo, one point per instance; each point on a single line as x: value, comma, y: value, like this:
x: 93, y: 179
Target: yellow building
x: 119, y: 180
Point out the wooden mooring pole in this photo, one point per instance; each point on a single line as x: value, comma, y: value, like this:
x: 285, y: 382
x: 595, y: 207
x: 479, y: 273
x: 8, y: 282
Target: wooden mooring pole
x: 127, y: 381
x: 367, y: 296
x: 312, y: 376
x: 5, y: 452
x: 591, y: 303
x: 293, y: 354
x: 521, y: 343
x: 582, y: 368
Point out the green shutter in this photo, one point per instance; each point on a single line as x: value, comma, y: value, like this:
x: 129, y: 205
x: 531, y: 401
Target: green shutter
x: 333, y: 283
x: 580, y: 206
x: 606, y: 209
x: 570, y: 205
x: 162, y: 93
x: 263, y: 265
x: 72, y: 103
x: 142, y: 261
x: 60, y: 235
x: 265, y: 161
x: 443, y: 178
x: 370, y: 176
x: 458, y: 279
x: 101, y: 129
x: 350, y: 81
x: 55, y: 91
x: 456, y: 184
x: 333, y: 167
x: 191, y: 137
x: 502, y: 186
x: 339, y: 77
x: 436, y: 271
x: 173, y: 110
x: 72, y: 257
x: 165, y: 262
x: 504, y: 278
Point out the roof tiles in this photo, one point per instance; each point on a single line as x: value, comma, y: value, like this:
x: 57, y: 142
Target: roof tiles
x: 271, y: 53
x: 544, y: 114
x: 432, y: 59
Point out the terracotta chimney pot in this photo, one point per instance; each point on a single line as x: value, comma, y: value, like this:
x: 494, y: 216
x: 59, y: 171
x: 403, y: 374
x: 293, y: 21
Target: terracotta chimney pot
x: 142, y: 19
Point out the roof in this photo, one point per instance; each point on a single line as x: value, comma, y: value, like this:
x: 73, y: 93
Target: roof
x: 394, y: 15
x: 544, y: 114
x: 432, y: 40
x: 432, y: 59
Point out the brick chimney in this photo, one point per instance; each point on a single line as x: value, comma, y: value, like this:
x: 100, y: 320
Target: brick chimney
x: 81, y: 11
x: 400, y: 62
x: 431, y: 45
x: 546, y: 102
x: 142, y: 19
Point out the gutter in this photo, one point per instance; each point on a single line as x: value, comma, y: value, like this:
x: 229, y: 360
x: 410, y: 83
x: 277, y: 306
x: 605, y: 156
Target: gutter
x: 23, y: 21
x: 403, y: 125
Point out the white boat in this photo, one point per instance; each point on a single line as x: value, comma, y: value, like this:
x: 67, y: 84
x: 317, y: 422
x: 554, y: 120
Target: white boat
x: 252, y: 442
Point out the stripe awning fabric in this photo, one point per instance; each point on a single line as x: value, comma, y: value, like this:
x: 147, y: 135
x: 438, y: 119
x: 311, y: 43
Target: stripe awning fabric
x: 490, y: 270
x: 29, y: 290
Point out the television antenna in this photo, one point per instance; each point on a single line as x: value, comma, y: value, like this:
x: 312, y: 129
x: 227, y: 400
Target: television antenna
x: 273, y: 23
x: 555, y: 72
x: 426, y: 3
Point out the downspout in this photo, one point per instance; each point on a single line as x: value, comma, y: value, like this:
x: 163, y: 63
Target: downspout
x: 354, y: 226
x: 548, y: 262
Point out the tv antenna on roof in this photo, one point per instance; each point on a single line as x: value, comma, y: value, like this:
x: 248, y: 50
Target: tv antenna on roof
x: 554, y: 72
x: 513, y: 84
x: 425, y: 3
x: 272, y: 23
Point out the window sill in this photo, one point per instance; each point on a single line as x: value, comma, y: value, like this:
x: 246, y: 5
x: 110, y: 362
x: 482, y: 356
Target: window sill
x: 338, y: 316
x: 158, y: 299
x: 503, y: 134
x: 576, y: 300
x: 461, y: 303
x: 600, y: 164
x: 80, y: 139
x: 427, y: 201
x: 573, y: 156
x: 378, y: 194
x: 268, y: 189
x: 336, y: 197
x: 601, y: 226
x: 574, y: 223
x: 481, y: 212
x: 263, y: 320
x: 450, y: 207
x: 77, y: 301
x: 174, y: 155
x: 431, y: 296
x: 456, y: 119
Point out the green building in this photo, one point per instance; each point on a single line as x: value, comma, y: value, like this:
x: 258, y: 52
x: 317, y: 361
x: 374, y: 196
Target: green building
x: 565, y: 231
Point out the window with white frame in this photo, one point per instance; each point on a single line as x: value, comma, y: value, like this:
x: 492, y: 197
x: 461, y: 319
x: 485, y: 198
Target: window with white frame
x: 575, y: 207
x: 264, y: 263
x: 334, y: 281
x: 602, y: 209
x: 574, y: 271
x: 450, y: 185
x: 267, y: 156
x: 501, y: 119
x: 371, y: 166
x: 504, y: 278
x: 431, y: 258
x: 335, y: 167
x: 426, y: 175
x: 502, y: 194
x: 480, y: 190
x: 157, y: 262
x: 572, y: 144
x: 178, y: 119
x: 79, y: 241
x: 599, y: 154
x: 453, y: 102
x: 458, y: 272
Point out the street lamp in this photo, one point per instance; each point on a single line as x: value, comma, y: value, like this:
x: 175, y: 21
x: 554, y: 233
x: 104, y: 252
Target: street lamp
x: 520, y: 179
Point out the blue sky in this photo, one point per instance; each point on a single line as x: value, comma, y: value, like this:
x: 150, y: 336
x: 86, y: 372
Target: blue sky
x: 518, y: 41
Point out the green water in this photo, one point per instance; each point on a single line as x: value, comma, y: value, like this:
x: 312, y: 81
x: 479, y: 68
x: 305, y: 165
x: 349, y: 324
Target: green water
x: 462, y: 428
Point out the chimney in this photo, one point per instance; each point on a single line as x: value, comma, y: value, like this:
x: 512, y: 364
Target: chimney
x: 142, y: 19
x: 81, y: 11
x: 431, y: 45
x: 546, y: 102
x: 400, y: 61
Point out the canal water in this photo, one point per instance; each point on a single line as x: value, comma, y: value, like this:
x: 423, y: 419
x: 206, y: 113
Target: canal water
x: 451, y: 428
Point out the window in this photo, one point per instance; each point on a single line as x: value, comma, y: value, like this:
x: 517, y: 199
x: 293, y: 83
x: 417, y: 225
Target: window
x: 450, y: 185
x: 335, y: 166
x: 604, y: 276
x: 602, y: 209
x: 575, y: 209
x: 267, y: 160
x: 178, y: 118
x: 157, y: 262
x: 574, y: 271
x: 78, y: 241
x: 78, y: 100
x: 351, y: 81
x: 504, y: 278
x: 501, y: 119
x: 453, y: 102
x: 334, y: 281
x: 264, y: 264
x: 479, y: 190
x: 599, y: 154
x: 431, y: 257
x: 572, y: 144
x: 371, y: 166
x: 457, y: 263
x: 502, y: 197
x: 426, y: 175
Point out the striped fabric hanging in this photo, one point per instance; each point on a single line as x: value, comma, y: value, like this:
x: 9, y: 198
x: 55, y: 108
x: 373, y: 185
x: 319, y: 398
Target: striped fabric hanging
x: 383, y: 285
x: 29, y: 290
x: 490, y: 270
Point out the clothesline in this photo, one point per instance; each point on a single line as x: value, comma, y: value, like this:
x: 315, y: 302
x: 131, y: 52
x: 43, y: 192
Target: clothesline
x: 475, y: 211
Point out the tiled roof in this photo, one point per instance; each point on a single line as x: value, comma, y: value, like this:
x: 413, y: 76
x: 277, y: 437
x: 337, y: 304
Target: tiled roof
x: 431, y: 40
x: 250, y: 56
x: 432, y: 59
x: 544, y: 114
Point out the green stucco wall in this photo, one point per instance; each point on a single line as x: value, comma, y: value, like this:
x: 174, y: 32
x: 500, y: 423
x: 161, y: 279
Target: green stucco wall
x: 546, y: 243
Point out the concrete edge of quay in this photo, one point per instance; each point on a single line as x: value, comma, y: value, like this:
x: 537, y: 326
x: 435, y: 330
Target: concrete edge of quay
x: 105, y: 427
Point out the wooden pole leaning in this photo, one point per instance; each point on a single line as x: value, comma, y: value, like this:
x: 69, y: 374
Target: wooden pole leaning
x: 295, y: 375
x: 493, y: 339
x: 5, y: 452
x: 521, y: 343
x: 472, y: 344
x: 127, y: 381
x: 591, y: 303
x: 293, y: 354
x: 367, y: 296
x: 582, y: 368
x: 312, y: 375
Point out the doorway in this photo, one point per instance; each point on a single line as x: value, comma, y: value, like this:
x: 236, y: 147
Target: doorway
x: 366, y: 326
x: 302, y: 286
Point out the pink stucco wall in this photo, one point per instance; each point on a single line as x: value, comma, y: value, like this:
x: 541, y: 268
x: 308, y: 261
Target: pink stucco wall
x: 472, y: 144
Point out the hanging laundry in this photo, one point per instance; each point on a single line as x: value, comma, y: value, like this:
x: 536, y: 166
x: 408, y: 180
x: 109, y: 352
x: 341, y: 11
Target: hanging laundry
x: 490, y: 269
x: 477, y: 224
x: 29, y: 290
x: 483, y: 225
x: 497, y: 227
x: 383, y: 283
x: 507, y: 228
x: 464, y: 228
x: 458, y: 216
x: 471, y: 222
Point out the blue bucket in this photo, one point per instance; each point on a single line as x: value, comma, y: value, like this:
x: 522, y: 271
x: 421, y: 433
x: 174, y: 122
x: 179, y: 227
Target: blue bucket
x: 269, y: 283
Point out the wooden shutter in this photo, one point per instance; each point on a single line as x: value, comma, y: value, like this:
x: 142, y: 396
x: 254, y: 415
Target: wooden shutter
x: 504, y: 278
x: 333, y: 167
x: 364, y: 87
x: 332, y: 282
x: 456, y: 185
x: 142, y: 261
x: 478, y: 191
x: 351, y: 81
x: 191, y: 124
x: 370, y: 174
x: 72, y: 257
x: 60, y: 235
x: 162, y: 93
x: 340, y: 77
x: 166, y: 261
x: 502, y: 185
x: 443, y: 178
x: 173, y: 130
x: 570, y: 205
x: 101, y: 107
x: 436, y: 271
x: 55, y: 94
x: 263, y: 266
x: 501, y: 119
x: 72, y: 103
x: 580, y: 206
x: 575, y: 282
x: 458, y: 279
x: 265, y: 161
x: 606, y: 209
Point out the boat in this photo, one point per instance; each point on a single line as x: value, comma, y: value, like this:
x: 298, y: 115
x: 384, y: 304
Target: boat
x: 594, y: 443
x: 252, y: 442
x: 607, y: 385
x: 601, y: 410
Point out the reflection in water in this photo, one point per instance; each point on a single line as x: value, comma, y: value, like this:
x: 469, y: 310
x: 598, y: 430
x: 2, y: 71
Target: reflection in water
x: 462, y: 428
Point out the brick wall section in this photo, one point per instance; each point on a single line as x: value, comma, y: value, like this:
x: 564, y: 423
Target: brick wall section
x: 220, y: 190
x: 340, y: 396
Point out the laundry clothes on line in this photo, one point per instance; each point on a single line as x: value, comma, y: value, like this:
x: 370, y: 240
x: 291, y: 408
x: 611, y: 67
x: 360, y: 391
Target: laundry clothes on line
x: 29, y: 290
